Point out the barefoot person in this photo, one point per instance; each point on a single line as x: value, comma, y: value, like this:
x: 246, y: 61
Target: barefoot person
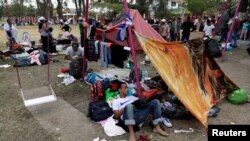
x: 125, y: 110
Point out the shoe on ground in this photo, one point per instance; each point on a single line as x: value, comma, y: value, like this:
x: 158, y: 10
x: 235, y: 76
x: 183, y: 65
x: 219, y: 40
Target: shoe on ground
x: 166, y: 122
x: 53, y: 54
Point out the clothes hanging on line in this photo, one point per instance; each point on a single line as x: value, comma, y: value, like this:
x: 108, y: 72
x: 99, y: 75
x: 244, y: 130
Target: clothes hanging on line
x: 90, y: 50
x: 105, y: 54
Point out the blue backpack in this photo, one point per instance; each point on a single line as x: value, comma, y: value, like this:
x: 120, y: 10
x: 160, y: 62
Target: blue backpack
x: 92, y: 77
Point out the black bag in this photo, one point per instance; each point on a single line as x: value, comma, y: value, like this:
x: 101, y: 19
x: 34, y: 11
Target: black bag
x: 75, y: 68
x: 99, y: 110
x: 213, y: 47
x: 125, y: 127
x: 141, y: 103
x: 248, y: 50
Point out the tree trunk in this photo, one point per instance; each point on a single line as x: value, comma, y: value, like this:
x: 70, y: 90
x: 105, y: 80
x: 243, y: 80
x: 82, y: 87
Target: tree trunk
x: 83, y: 7
x: 59, y: 8
x: 80, y: 8
x: 77, y: 11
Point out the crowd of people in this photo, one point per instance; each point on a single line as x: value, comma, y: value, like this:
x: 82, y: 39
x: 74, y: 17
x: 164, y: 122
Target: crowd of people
x: 171, y: 30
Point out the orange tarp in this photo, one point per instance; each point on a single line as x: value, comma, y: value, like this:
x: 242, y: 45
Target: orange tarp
x: 193, y: 75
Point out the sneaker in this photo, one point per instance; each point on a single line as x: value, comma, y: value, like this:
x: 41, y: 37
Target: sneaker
x: 166, y: 122
x: 53, y: 54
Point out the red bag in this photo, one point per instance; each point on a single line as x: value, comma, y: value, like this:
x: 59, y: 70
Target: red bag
x: 96, y: 91
x: 16, y: 46
x: 150, y: 94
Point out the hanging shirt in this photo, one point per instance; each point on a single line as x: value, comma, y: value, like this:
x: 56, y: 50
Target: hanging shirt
x: 90, y: 50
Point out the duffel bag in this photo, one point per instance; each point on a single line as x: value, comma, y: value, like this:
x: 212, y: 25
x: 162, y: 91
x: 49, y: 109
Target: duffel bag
x: 99, y: 110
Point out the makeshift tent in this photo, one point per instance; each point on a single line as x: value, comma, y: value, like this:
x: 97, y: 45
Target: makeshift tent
x: 190, y: 72
x: 187, y: 69
x: 139, y: 25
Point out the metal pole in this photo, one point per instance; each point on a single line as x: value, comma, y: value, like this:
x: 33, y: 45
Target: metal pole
x: 131, y: 44
x: 85, y: 36
x: 231, y: 29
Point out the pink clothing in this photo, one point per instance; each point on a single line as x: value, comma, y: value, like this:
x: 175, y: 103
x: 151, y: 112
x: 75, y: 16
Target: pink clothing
x: 66, y: 35
x: 34, y: 56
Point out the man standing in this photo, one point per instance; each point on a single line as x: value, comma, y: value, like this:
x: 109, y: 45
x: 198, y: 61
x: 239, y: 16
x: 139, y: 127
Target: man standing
x: 186, y: 26
x: 208, y: 29
x: 125, y: 110
x: 177, y: 29
x: 10, y: 31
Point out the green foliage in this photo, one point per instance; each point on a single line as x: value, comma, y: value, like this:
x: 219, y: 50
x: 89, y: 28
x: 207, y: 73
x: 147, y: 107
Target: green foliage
x: 199, y: 6
x: 161, y: 9
x: 143, y: 6
x: 196, y: 6
x: 112, y: 7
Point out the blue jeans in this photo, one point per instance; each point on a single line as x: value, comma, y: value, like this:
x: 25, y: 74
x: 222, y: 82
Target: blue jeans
x: 132, y: 116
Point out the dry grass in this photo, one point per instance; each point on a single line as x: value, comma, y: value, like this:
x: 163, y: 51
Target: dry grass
x: 35, y: 36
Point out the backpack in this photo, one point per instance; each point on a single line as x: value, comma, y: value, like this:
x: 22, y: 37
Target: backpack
x: 99, y: 110
x: 96, y: 91
x: 239, y: 96
x: 213, y: 47
x: 91, y: 78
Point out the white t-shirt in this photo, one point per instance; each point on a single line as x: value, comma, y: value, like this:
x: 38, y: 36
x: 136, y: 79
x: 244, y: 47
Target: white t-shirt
x: 120, y: 103
x: 70, y: 52
x: 13, y: 31
x: 208, y: 30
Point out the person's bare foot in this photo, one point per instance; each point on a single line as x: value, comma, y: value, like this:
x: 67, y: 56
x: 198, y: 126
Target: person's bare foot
x: 158, y: 130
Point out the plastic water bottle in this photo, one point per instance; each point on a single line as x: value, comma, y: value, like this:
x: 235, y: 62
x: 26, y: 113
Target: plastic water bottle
x: 144, y: 74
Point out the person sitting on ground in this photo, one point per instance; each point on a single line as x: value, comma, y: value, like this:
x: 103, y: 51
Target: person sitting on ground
x: 66, y: 29
x: 125, y: 110
x: 74, y: 54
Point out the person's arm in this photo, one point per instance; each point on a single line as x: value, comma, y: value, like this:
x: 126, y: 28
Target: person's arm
x: 68, y: 57
x: 45, y: 27
x: 193, y: 27
x: 118, y: 113
x: 160, y: 29
x: 70, y: 29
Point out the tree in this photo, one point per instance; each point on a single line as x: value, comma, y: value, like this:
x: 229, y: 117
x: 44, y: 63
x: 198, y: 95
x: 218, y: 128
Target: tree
x: 143, y: 6
x: 59, y: 8
x: 110, y: 8
x: 199, y: 6
x: 1, y: 8
x: 161, y: 9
